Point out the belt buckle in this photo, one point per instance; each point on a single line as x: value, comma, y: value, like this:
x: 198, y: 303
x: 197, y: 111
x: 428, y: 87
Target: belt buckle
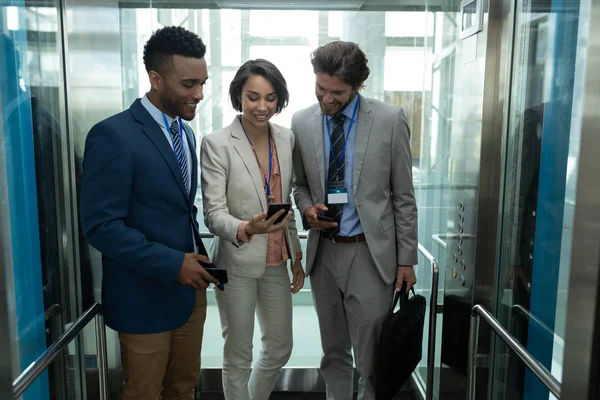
x: 333, y: 239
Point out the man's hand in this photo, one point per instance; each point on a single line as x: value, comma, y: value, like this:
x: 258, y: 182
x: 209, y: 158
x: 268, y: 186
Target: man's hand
x: 193, y: 274
x: 298, y: 276
x: 260, y: 224
x: 405, y: 273
x: 311, y: 213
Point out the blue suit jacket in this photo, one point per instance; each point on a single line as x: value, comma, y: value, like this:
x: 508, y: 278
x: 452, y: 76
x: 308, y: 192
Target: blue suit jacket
x: 134, y: 210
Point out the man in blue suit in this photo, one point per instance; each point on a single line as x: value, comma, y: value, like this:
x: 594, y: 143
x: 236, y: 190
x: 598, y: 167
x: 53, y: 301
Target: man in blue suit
x: 137, y: 208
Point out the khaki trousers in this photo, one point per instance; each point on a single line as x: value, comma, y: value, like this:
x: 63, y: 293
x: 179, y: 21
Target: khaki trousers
x: 164, y: 365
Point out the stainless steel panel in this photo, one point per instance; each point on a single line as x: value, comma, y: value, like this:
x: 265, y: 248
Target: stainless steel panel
x: 481, y: 84
x: 464, y: 162
x: 462, y: 208
x: 581, y: 374
x: 500, y: 20
x: 494, y: 117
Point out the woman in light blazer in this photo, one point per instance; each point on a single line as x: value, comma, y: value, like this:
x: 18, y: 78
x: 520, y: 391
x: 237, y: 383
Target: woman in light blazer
x: 245, y: 167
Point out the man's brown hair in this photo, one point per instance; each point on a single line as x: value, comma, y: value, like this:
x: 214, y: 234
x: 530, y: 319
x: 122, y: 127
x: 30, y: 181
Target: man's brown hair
x: 344, y: 60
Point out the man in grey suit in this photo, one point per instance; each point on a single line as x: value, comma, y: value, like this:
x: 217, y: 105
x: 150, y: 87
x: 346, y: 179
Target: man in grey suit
x: 354, y: 188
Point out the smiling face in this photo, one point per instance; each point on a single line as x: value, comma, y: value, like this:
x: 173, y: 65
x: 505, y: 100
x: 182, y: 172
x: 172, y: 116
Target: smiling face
x: 180, y: 86
x: 333, y: 93
x: 259, y: 101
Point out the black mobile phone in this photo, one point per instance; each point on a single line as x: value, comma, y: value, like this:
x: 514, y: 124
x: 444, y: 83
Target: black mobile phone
x: 325, y: 218
x: 274, y: 207
x: 218, y: 273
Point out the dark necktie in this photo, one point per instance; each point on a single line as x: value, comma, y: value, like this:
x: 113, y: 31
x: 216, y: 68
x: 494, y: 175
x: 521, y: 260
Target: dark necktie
x: 335, y: 172
x: 180, y: 153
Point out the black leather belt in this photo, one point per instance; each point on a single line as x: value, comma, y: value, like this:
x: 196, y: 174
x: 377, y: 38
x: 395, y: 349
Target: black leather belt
x: 347, y: 239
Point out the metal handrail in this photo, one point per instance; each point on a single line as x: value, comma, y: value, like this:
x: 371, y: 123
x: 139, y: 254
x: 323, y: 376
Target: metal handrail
x: 36, y: 368
x: 439, y: 237
x: 532, y: 317
x: 52, y: 311
x: 532, y: 363
x: 436, y: 238
x: 433, y: 311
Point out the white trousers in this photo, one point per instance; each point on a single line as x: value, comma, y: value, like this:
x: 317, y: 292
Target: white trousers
x: 270, y: 298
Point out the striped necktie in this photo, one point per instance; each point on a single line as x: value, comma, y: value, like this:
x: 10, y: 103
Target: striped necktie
x: 180, y: 153
x: 335, y: 173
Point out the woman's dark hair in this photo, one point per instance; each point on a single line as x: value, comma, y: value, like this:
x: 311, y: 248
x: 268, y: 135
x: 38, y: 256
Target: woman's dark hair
x: 267, y: 70
x: 168, y: 42
x: 344, y: 60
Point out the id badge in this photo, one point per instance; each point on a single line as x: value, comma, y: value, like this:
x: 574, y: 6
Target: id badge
x: 337, y: 195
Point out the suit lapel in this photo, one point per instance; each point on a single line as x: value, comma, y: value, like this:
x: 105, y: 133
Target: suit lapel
x: 316, y: 127
x: 282, y: 154
x: 157, y: 137
x: 242, y: 147
x: 363, y: 132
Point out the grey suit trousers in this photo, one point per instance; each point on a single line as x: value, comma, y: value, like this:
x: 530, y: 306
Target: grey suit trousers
x: 351, y: 301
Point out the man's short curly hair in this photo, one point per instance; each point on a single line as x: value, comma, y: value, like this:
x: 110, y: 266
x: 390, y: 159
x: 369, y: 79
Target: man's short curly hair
x: 169, y: 41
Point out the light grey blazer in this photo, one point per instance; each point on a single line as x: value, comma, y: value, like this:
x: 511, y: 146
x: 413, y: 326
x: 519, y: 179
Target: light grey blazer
x: 382, y: 183
x: 233, y: 191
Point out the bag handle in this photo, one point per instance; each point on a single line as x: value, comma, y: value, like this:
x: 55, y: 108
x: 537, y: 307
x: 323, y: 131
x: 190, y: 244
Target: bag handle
x: 401, y: 296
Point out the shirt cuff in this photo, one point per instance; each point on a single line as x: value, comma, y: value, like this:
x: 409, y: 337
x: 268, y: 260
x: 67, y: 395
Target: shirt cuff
x: 242, y: 236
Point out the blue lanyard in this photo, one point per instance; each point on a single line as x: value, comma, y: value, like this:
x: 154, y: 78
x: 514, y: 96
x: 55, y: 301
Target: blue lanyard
x: 341, y: 156
x: 267, y: 181
x: 180, y: 137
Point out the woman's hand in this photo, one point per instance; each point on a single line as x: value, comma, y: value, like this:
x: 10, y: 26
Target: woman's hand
x: 297, y: 276
x: 259, y: 224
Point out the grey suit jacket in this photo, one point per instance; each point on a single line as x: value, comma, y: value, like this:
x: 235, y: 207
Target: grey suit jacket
x: 233, y: 191
x: 382, y: 183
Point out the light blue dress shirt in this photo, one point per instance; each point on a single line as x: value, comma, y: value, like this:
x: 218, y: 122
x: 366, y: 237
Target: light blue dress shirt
x: 158, y: 117
x: 350, y: 224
